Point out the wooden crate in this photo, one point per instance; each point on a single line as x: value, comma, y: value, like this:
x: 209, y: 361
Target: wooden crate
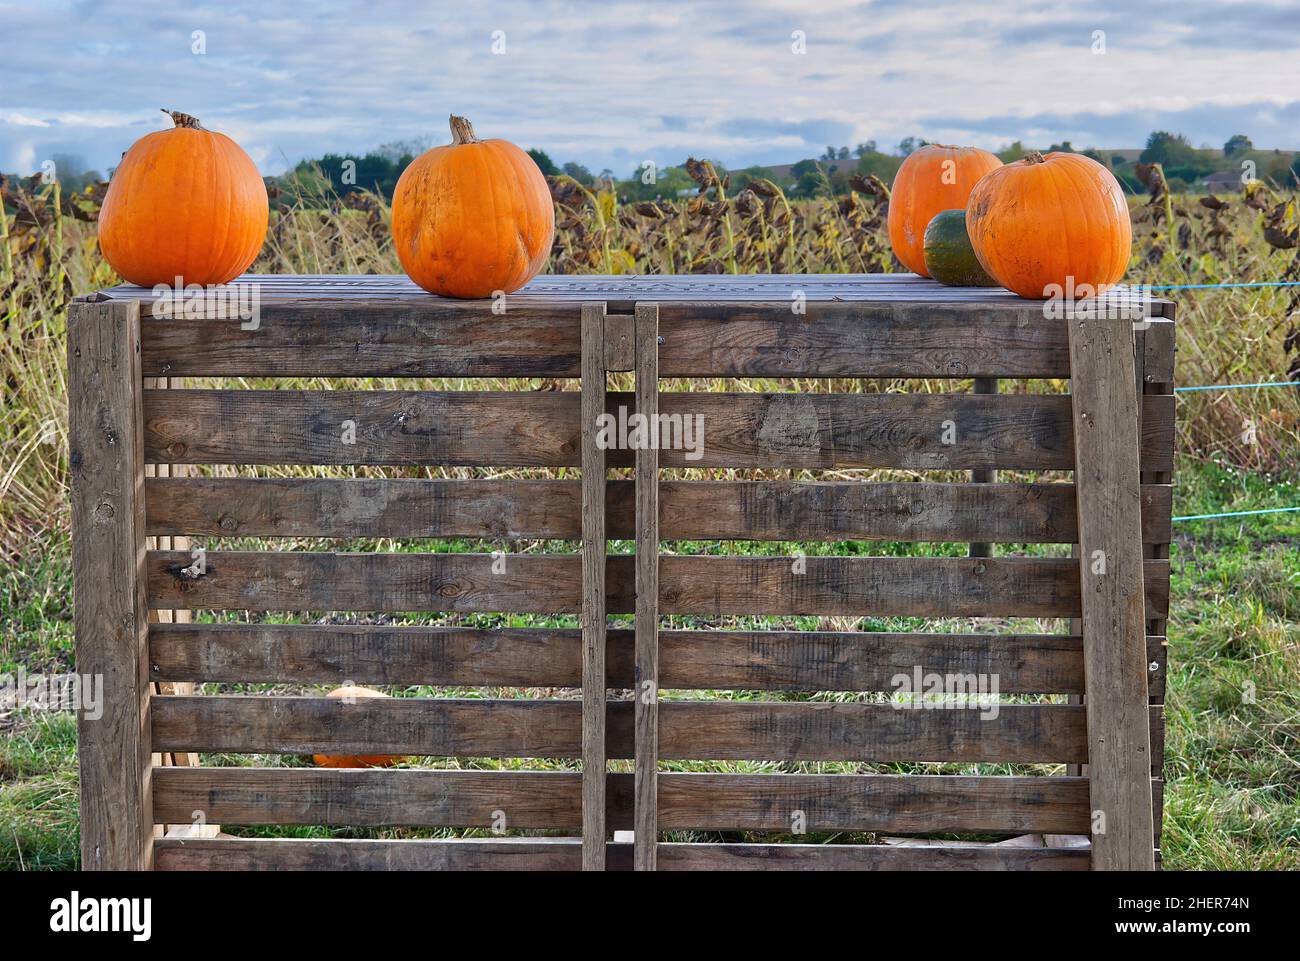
x: 1114, y: 432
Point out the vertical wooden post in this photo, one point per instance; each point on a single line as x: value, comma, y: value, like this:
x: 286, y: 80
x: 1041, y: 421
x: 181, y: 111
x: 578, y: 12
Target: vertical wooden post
x: 1113, y: 592
x: 1156, y: 377
x: 983, y: 385
x: 645, y: 776
x: 165, y: 688
x: 593, y: 590
x: 110, y: 613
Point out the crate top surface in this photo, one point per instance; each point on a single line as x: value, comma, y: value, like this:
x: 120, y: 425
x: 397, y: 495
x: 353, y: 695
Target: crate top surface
x: 751, y: 290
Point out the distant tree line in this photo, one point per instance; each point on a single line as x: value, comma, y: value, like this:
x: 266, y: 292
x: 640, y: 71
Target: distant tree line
x: 827, y: 175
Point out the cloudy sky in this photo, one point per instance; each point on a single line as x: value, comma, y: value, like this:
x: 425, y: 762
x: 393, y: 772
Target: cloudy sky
x: 612, y: 84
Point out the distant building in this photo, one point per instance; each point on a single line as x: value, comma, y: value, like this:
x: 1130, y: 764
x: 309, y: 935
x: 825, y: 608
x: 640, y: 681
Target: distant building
x: 1223, y: 182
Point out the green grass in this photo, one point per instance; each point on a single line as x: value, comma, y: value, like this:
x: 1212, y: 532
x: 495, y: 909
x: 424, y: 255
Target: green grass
x: 1232, y: 767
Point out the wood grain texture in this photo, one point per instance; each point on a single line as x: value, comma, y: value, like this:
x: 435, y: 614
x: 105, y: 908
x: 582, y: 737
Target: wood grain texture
x: 646, y: 673
x: 561, y: 854
x: 594, y: 734
x: 284, y: 854
x: 109, y: 613
x: 447, y: 339
x: 551, y: 509
x: 1111, y: 570
x: 873, y: 857
x: 552, y: 657
x: 983, y: 548
x: 552, y: 583
x: 542, y: 429
x: 896, y: 804
x: 688, y: 730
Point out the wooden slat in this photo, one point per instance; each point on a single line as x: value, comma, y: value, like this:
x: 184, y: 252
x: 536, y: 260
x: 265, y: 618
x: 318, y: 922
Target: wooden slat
x: 874, y: 857
x: 646, y: 687
x: 110, y: 614
x: 549, y: 657
x: 448, y: 339
x: 1111, y: 570
x: 983, y: 548
x: 773, y: 290
x: 911, y: 586
x: 853, y: 326
x: 899, y: 804
x: 1158, y: 379
x: 550, y: 509
x: 289, y: 580
x: 693, y: 730
x: 620, y: 341
x: 541, y: 429
x: 561, y: 854
x: 710, y: 586
x: 370, y: 797
x: 350, y: 338
x: 594, y: 834
x: 284, y: 854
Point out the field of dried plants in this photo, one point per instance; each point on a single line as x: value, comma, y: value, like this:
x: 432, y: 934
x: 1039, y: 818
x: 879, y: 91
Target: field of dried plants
x: 1233, y: 767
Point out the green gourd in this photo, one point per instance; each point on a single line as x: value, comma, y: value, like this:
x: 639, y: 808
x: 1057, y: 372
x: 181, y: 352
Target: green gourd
x: 949, y: 256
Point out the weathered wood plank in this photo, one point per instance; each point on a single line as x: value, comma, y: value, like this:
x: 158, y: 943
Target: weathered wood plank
x: 688, y: 730
x: 449, y: 339
x: 110, y: 613
x: 594, y: 833
x: 291, y: 580
x: 1158, y: 379
x: 983, y: 548
x: 562, y: 854
x: 371, y: 797
x: 853, y: 326
x: 552, y: 583
x: 542, y: 429
x: 293, y: 854
x: 874, y: 857
x: 547, y: 657
x: 620, y: 341
x: 358, y: 338
x: 902, y: 804
x: 646, y: 687
x: 551, y: 509
x: 1111, y: 570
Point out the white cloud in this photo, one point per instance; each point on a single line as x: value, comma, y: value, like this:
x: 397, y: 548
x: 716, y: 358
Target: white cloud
x: 592, y: 82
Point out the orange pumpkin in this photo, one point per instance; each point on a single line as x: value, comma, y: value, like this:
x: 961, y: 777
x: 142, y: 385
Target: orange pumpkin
x: 187, y: 203
x: 355, y: 760
x: 1054, y: 220
x: 472, y: 218
x: 931, y: 180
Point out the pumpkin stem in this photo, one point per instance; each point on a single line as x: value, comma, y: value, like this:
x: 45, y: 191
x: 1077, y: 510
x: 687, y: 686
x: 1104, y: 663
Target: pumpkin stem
x: 461, y: 131
x: 1034, y: 157
x: 183, y: 119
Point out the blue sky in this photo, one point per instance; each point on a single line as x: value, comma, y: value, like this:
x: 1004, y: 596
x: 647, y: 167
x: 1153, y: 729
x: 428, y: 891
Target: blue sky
x: 612, y: 84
